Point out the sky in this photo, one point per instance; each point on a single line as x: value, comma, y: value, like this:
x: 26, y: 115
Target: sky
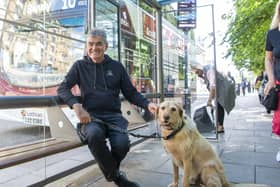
x: 204, y: 28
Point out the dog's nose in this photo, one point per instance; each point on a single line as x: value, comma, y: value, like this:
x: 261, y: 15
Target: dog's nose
x: 166, y: 117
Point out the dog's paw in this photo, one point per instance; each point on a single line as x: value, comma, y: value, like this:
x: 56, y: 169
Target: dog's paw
x: 214, y: 182
x: 173, y: 185
x: 193, y: 180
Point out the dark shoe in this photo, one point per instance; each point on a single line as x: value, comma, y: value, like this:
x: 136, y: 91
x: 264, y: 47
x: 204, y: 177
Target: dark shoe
x: 122, y: 181
x: 221, y: 131
x: 268, y: 111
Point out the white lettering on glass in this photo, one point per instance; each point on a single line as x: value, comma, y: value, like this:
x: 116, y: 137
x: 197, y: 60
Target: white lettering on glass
x: 68, y: 4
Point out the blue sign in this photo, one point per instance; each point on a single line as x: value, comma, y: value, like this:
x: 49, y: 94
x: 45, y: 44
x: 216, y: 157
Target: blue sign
x: 67, y: 4
x: 69, y: 13
x: 166, y: 2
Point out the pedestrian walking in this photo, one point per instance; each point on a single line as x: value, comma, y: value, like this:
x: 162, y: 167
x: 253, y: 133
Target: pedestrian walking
x: 101, y: 79
x: 249, y: 86
x: 272, y: 64
x: 237, y: 89
x: 243, y: 86
x: 257, y: 84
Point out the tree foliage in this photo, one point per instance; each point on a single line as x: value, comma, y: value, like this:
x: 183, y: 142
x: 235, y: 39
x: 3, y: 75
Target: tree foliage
x: 246, y: 33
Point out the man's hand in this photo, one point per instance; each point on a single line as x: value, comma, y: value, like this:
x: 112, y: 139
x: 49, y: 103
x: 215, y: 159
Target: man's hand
x: 81, y: 113
x: 268, y: 86
x: 152, y: 108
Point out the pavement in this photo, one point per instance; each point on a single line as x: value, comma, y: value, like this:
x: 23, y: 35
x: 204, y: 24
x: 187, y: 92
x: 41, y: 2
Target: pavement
x: 246, y: 149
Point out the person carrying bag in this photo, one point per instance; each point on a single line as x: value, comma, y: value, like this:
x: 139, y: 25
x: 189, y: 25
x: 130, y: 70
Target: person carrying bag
x: 225, y: 90
x: 270, y: 101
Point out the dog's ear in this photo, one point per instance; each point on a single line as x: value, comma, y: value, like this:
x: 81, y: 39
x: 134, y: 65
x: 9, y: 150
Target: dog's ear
x: 180, y: 109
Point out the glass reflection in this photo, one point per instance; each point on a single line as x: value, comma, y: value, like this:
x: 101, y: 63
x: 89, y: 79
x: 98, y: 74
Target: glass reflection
x: 106, y: 17
x: 39, y: 42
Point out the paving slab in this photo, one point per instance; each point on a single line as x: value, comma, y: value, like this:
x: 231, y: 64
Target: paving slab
x: 234, y: 174
x: 267, y: 175
x: 246, y: 150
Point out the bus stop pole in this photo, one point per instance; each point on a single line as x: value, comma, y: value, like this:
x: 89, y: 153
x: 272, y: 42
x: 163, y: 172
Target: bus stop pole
x: 159, y: 54
x: 215, y: 67
x: 187, y: 100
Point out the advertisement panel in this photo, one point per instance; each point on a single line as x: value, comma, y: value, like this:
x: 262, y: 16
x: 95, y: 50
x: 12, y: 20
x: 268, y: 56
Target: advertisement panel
x: 126, y: 23
x: 149, y: 27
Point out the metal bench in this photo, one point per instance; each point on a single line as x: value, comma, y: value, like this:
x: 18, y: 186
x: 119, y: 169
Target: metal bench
x: 63, y: 133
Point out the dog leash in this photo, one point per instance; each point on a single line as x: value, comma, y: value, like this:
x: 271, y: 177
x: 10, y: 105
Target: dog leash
x: 121, y: 130
x: 83, y: 138
x: 114, y: 127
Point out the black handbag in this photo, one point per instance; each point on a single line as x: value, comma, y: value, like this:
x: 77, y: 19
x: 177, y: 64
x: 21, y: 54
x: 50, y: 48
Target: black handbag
x: 203, y: 121
x: 270, y: 101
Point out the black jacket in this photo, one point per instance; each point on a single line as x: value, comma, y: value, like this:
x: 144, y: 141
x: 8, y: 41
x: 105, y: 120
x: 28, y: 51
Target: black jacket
x: 100, y: 86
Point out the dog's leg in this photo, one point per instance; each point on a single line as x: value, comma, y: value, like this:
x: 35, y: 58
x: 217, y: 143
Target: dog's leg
x: 187, y: 164
x: 224, y: 180
x: 221, y: 173
x: 175, y: 175
x: 194, y: 179
x: 210, y: 177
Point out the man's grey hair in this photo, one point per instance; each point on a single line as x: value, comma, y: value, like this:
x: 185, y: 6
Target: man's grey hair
x: 98, y: 32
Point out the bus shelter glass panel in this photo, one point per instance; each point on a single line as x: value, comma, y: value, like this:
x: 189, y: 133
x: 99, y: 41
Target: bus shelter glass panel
x: 39, y: 42
x: 138, y: 38
x: 201, y: 49
x: 107, y: 18
x: 22, y: 131
x: 22, y: 125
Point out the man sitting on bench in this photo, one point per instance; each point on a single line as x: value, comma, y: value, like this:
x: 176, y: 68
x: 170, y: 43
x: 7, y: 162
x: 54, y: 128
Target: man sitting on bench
x: 100, y: 80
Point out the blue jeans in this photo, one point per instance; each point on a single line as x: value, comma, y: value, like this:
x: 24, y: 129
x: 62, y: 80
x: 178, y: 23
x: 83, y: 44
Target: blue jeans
x: 108, y: 157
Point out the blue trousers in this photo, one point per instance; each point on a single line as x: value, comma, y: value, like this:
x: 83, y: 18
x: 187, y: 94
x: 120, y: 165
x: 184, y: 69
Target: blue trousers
x: 108, y: 146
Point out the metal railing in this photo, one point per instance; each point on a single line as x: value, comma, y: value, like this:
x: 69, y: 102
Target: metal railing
x: 9, y: 102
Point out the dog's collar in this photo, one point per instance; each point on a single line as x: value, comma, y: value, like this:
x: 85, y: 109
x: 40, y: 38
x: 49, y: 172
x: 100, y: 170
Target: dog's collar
x: 173, y: 133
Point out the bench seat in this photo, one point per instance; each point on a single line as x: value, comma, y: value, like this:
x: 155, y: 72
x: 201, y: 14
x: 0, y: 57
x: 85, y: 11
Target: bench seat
x: 14, y: 155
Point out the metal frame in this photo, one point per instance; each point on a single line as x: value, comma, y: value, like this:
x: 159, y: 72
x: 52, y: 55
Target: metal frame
x: 93, y: 20
x: 187, y: 100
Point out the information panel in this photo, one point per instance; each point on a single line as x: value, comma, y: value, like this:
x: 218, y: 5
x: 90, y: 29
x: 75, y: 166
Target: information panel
x: 166, y: 2
x: 187, y: 14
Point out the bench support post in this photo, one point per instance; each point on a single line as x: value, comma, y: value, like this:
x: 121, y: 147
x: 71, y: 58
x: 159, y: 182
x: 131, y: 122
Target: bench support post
x: 60, y: 126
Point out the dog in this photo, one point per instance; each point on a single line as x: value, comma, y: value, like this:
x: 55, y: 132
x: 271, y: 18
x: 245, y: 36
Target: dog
x: 188, y: 149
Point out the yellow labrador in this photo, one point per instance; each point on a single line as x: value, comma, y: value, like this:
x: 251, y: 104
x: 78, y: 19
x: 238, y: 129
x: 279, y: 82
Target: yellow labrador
x: 189, y: 150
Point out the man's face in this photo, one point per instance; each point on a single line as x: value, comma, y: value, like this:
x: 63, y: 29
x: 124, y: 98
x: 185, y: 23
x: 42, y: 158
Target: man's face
x: 96, y: 48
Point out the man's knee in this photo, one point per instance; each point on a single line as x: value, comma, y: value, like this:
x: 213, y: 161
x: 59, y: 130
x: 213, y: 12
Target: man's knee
x: 94, y: 133
x: 124, y: 148
x: 120, y: 146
